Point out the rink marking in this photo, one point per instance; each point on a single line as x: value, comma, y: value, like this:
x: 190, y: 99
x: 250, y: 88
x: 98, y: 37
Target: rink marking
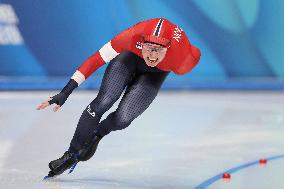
x: 215, y: 178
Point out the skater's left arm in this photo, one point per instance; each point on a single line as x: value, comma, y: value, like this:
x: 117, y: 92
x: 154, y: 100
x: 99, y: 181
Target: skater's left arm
x: 188, y: 56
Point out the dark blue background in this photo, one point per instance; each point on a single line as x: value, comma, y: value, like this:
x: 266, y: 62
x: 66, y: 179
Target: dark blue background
x: 241, y: 42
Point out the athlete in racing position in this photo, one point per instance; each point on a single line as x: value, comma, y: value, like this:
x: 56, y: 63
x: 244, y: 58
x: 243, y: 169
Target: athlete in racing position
x: 140, y: 58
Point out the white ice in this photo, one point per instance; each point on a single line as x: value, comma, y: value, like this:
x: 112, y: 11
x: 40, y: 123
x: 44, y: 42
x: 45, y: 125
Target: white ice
x: 183, y: 139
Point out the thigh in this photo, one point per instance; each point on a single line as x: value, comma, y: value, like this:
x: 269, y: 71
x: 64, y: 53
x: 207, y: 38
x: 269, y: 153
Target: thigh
x: 140, y: 94
x: 118, y: 74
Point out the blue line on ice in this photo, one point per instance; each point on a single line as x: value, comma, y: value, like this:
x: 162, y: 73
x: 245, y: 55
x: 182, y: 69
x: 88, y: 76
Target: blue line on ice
x: 213, y: 179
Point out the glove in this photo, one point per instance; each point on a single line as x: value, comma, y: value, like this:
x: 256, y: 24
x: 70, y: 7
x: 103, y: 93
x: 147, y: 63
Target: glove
x: 58, y: 99
x: 61, y: 97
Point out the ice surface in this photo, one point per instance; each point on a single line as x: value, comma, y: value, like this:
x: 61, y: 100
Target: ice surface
x: 183, y: 139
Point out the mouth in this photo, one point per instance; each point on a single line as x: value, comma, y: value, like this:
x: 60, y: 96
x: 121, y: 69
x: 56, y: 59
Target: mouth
x: 152, y: 60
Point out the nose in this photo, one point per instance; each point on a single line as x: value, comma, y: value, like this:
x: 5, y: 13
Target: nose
x: 153, y: 52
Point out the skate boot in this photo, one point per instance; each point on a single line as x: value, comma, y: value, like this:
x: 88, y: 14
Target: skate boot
x: 89, y: 148
x: 87, y: 151
x: 70, y: 160
x: 58, y: 166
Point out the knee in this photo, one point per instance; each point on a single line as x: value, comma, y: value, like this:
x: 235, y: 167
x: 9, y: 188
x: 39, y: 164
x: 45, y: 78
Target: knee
x: 122, y: 120
x: 99, y: 105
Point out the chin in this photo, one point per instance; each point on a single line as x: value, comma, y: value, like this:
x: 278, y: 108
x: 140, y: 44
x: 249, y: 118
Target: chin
x: 151, y: 64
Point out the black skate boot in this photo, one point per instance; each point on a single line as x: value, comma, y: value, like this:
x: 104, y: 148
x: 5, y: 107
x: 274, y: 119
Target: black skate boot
x: 58, y: 166
x: 89, y: 148
x: 70, y: 160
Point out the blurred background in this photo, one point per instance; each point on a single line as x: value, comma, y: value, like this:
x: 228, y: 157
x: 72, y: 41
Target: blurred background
x: 43, y: 42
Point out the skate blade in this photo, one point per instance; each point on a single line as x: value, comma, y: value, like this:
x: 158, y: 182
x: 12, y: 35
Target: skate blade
x: 49, y: 176
x: 46, y: 177
x: 72, y: 168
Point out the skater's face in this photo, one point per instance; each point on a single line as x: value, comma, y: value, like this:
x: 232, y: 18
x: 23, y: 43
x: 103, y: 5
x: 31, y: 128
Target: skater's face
x: 153, y: 54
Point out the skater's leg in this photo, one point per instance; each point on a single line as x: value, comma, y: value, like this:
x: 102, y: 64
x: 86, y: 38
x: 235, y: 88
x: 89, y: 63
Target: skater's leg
x: 135, y: 101
x: 117, y: 75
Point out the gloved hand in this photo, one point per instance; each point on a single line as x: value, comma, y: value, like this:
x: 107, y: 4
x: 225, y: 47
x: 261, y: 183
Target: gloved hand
x: 60, y: 98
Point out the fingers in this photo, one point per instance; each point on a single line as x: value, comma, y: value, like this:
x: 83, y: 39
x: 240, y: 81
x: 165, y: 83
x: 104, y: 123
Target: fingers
x: 43, y: 105
x: 56, y: 108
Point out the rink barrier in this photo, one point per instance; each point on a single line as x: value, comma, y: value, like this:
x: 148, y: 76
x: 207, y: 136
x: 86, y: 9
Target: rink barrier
x: 170, y: 84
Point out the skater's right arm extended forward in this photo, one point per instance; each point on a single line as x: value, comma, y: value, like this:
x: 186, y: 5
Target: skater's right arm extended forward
x: 105, y: 54
x: 60, y: 98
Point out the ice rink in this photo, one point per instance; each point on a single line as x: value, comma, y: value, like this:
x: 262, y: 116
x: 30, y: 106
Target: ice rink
x: 185, y: 140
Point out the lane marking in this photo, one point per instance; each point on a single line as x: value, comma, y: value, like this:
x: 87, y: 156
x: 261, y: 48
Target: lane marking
x: 219, y: 176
